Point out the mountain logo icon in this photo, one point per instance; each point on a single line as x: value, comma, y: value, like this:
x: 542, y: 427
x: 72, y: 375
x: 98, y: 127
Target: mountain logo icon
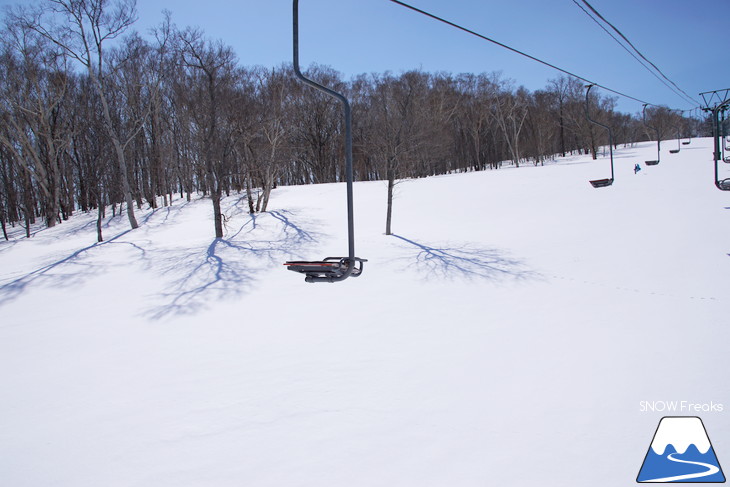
x: 681, y: 452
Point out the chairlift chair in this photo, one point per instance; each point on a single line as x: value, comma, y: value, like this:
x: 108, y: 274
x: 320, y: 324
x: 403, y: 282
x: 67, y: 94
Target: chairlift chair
x: 658, y: 142
x: 330, y: 269
x: 675, y: 151
x: 601, y: 183
x: 689, y: 137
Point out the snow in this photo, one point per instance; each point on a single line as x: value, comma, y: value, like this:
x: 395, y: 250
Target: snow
x: 505, y: 335
x: 680, y: 432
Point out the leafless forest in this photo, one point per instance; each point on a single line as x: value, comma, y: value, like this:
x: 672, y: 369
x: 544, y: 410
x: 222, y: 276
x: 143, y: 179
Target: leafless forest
x: 96, y: 117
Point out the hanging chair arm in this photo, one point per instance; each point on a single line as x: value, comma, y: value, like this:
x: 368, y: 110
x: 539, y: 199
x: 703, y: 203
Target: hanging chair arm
x: 348, y: 132
x: 610, y: 132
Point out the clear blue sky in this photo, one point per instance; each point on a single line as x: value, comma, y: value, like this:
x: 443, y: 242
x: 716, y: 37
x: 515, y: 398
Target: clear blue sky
x: 687, y: 40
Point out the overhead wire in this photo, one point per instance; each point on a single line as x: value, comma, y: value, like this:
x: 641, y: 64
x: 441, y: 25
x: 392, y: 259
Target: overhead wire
x: 677, y: 92
x: 635, y: 49
x: 517, y: 51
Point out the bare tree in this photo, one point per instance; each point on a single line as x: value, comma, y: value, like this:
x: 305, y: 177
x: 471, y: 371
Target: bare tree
x: 35, y: 86
x: 477, y: 123
x: 318, y: 128
x: 273, y: 93
x: 510, y: 113
x: 82, y: 32
x: 399, y: 127
x: 209, y: 66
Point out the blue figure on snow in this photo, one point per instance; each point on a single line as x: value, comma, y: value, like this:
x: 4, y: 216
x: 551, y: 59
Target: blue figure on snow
x: 637, y: 168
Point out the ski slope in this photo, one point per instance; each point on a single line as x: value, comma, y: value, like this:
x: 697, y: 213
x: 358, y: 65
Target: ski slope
x: 504, y: 335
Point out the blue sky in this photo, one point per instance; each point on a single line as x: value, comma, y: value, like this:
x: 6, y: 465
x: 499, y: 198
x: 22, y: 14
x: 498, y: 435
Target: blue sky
x: 686, y: 40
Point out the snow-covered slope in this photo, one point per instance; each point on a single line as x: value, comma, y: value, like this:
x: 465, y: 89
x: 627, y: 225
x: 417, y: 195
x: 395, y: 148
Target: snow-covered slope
x: 505, y: 335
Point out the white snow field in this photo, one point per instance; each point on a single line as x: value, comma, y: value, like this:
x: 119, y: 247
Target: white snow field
x: 506, y: 335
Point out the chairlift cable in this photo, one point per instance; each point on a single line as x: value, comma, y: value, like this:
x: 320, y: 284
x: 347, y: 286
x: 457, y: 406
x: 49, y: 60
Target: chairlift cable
x: 674, y: 89
x: 635, y: 49
x: 517, y: 51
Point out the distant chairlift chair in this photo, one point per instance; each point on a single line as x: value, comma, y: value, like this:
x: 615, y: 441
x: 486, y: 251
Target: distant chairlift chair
x: 689, y: 137
x: 675, y: 151
x: 601, y: 183
x: 331, y: 269
x: 658, y: 142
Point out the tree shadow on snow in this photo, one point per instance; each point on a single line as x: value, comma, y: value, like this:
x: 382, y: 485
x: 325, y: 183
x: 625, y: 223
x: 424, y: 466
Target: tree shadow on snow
x: 69, y: 271
x: 191, y: 277
x: 197, y: 278
x: 464, y: 261
x: 228, y: 267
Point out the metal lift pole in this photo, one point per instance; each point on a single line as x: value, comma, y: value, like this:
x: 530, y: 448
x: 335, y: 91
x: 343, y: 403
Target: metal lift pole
x: 716, y: 102
x: 717, y: 138
x: 721, y: 122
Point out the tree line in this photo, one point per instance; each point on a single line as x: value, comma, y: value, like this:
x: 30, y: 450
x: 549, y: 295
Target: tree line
x: 94, y: 117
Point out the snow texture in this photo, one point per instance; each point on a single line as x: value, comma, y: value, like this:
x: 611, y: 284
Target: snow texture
x: 504, y: 336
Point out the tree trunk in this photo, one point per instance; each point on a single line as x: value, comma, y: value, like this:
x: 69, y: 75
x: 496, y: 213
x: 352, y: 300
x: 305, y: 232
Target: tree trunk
x: 217, y: 215
x: 389, y: 212
x: 99, y: 237
x: 251, y: 209
x: 268, y: 186
x: 27, y: 222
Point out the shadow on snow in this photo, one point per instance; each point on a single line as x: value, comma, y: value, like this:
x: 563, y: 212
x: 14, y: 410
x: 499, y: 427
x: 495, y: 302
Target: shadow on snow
x: 193, y: 277
x: 68, y: 271
x: 464, y: 261
x: 228, y: 267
